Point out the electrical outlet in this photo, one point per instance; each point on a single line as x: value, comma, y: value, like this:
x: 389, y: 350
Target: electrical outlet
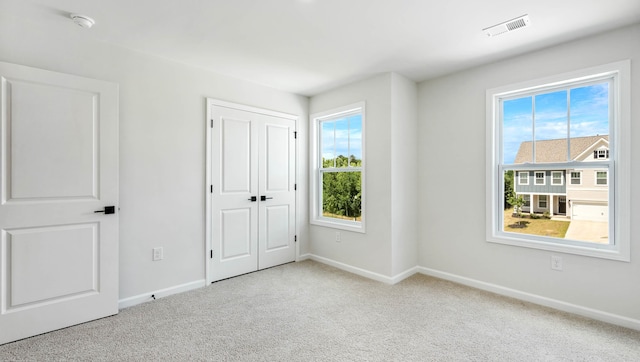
x: 158, y: 254
x: 556, y: 262
x: 338, y: 237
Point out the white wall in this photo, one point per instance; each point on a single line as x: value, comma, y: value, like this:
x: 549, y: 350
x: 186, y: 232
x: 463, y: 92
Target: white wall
x: 452, y: 187
x: 389, y: 246
x: 404, y: 174
x: 370, y: 251
x: 162, y: 141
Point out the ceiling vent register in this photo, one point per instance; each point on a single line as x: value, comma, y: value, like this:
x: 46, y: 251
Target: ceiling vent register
x: 507, y: 26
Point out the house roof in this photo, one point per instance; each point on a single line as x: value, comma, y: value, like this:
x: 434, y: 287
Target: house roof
x: 556, y: 150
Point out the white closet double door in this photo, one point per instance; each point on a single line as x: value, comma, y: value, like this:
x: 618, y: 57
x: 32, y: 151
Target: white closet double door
x: 252, y: 189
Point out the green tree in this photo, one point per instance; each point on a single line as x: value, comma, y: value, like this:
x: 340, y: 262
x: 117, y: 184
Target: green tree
x: 342, y: 191
x: 508, y: 187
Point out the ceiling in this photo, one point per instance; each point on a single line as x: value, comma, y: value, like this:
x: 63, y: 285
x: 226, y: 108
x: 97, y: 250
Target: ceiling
x: 308, y: 46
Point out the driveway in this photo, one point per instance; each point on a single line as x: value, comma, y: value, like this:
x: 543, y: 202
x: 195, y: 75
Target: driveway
x: 594, y: 231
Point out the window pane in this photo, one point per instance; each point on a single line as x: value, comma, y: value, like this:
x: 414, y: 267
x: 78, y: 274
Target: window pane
x: 355, y: 140
x: 327, y: 143
x: 342, y: 195
x: 551, y: 127
x: 342, y: 142
x: 518, y: 131
x: 575, y: 211
x: 589, y: 114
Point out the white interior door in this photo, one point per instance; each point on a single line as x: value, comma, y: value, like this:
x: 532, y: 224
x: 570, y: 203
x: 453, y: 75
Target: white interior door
x: 276, y: 218
x: 252, y: 189
x: 58, y: 161
x: 234, y: 193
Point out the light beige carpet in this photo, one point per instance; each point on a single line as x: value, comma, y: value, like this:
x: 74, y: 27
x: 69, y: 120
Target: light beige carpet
x: 311, y: 312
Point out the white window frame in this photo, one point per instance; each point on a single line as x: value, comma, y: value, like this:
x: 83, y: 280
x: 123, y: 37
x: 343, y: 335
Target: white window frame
x: 553, y: 178
x: 523, y: 173
x: 619, y: 163
x: 535, y: 178
x: 595, y: 175
x: 316, y: 217
x: 579, y: 177
x: 527, y: 200
x: 546, y: 202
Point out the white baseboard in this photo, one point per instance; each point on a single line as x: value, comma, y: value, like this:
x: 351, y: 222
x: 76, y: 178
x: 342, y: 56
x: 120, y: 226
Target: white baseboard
x: 536, y: 299
x: 146, y: 297
x: 304, y: 257
x: 363, y: 272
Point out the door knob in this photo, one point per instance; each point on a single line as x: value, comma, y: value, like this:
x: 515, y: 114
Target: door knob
x: 107, y: 210
x: 253, y: 198
x: 264, y: 198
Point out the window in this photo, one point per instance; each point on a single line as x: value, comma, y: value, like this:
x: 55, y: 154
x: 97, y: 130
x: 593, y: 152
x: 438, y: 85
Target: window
x: 601, y: 178
x: 527, y: 200
x: 555, y: 124
x: 601, y: 154
x: 338, y: 163
x: 523, y: 178
x: 542, y: 201
x: 576, y: 177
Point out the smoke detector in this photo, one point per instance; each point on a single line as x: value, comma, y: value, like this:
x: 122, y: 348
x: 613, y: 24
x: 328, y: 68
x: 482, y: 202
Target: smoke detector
x: 82, y: 20
x: 507, y: 26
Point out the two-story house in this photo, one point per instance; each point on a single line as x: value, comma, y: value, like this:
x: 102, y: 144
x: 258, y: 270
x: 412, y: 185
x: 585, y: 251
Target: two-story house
x: 578, y: 194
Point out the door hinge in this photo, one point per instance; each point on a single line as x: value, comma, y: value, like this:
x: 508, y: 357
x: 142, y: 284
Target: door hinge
x: 295, y: 134
x: 295, y: 186
x: 211, y: 254
x: 211, y: 188
x: 212, y: 123
x: 295, y: 238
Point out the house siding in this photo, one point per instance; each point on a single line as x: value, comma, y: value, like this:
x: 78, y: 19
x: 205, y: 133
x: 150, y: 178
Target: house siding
x: 547, y: 188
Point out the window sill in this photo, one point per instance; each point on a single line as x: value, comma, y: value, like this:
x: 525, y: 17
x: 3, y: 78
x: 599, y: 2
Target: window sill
x: 357, y: 227
x: 568, y: 247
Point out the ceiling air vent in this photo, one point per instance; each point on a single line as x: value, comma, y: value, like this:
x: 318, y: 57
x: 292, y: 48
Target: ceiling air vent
x: 507, y: 26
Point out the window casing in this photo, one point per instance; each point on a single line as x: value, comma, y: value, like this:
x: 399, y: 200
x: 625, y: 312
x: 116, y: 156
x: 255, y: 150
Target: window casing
x: 338, y: 162
x: 542, y: 201
x: 616, y: 76
x: 540, y: 178
x: 523, y: 178
x: 576, y: 178
x: 556, y: 178
x: 601, y: 178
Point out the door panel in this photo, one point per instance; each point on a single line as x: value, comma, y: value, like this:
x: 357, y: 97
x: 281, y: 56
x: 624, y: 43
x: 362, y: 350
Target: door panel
x: 59, y: 163
x: 233, y: 215
x: 236, y: 155
x: 62, y: 116
x: 236, y: 233
x: 277, y: 173
x: 252, y: 156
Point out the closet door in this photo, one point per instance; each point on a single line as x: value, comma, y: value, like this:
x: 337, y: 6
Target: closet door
x: 252, y: 190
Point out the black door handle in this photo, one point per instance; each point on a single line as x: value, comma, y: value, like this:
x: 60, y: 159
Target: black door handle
x: 264, y: 198
x: 107, y: 210
x: 253, y: 198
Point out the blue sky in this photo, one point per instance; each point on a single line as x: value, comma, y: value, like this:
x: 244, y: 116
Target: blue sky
x: 342, y: 136
x: 589, y: 110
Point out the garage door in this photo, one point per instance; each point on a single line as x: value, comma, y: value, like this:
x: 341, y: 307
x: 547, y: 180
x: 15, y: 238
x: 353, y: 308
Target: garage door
x: 590, y: 211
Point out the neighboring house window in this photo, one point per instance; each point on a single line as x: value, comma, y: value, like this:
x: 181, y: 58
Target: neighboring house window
x: 338, y: 163
x: 527, y: 200
x: 601, y: 178
x: 555, y: 124
x: 556, y: 178
x: 601, y: 154
x: 523, y: 178
x: 576, y: 178
x: 542, y: 201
